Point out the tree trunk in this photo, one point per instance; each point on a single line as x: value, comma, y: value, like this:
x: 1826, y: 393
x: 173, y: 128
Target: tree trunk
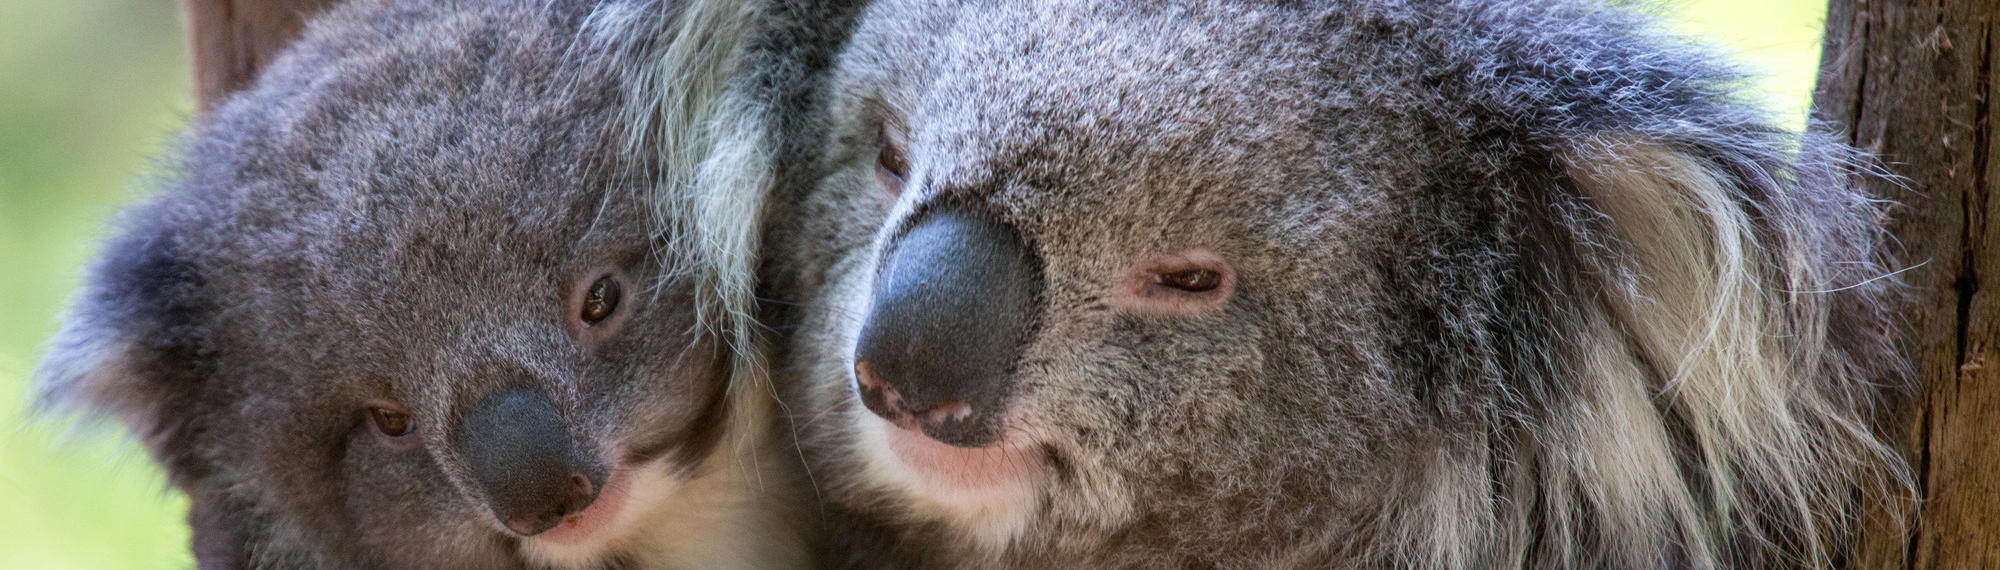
x: 233, y: 39
x: 1911, y: 81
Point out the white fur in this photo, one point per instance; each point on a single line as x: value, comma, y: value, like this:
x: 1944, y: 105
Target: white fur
x: 726, y: 516
x: 737, y: 511
x: 1694, y: 294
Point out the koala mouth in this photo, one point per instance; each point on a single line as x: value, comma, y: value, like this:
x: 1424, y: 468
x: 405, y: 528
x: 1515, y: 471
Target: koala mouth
x: 635, y: 495
x: 944, y: 467
x: 580, y: 526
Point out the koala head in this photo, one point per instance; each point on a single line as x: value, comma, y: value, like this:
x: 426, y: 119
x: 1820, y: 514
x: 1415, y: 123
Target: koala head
x: 404, y: 305
x: 1347, y: 284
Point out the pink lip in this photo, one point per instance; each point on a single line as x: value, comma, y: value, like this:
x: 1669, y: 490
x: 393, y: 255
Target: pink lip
x: 967, y: 468
x: 578, y: 527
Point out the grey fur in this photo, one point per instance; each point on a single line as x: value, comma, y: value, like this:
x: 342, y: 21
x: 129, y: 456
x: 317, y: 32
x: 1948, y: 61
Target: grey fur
x: 405, y: 207
x: 1524, y: 284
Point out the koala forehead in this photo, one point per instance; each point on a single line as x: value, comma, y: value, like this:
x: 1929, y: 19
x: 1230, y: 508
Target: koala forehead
x: 363, y: 187
x: 1137, y: 116
x: 416, y: 141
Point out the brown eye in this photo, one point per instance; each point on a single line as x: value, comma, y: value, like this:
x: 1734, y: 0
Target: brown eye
x: 892, y: 163
x: 1185, y: 283
x: 601, y: 300
x: 1191, y: 280
x: 391, y: 423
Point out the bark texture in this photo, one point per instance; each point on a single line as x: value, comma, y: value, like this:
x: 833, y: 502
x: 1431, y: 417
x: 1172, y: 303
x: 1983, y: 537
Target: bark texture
x: 232, y: 39
x: 1912, y: 82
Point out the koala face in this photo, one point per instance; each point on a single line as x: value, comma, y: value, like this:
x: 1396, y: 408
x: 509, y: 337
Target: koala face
x: 404, y: 306
x: 1097, y: 292
x: 1341, y: 284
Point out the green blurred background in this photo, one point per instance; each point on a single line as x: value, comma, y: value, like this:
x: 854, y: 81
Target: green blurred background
x: 92, y: 90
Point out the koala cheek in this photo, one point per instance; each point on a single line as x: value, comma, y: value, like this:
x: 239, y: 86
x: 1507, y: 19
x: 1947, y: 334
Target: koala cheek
x: 400, y: 507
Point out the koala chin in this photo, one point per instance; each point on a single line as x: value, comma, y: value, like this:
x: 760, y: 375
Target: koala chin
x: 1324, y: 284
x: 406, y: 303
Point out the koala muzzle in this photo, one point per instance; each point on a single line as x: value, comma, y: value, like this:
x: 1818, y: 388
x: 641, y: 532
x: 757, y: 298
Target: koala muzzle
x: 524, y: 460
x: 954, y: 302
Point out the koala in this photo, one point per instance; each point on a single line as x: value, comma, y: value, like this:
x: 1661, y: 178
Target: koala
x: 409, y: 302
x: 1330, y: 284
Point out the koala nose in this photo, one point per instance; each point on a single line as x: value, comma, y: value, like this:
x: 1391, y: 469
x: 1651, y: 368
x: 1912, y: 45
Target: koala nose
x: 955, y: 300
x: 523, y: 459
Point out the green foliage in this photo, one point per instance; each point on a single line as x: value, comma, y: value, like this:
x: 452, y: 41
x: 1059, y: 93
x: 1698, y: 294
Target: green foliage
x: 1779, y: 39
x: 94, y: 89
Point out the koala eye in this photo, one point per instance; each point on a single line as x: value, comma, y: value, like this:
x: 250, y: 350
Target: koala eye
x: 601, y: 300
x: 891, y: 167
x: 392, y: 423
x: 596, y: 304
x: 1185, y: 283
x: 891, y: 162
x: 1190, y: 280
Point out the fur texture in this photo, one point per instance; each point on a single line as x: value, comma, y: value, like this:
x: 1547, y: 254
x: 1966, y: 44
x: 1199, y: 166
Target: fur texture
x: 1517, y: 284
x: 408, y: 207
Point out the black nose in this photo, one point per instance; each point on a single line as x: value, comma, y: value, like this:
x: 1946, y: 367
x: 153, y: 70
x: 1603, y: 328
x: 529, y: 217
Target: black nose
x: 523, y: 458
x: 954, y: 302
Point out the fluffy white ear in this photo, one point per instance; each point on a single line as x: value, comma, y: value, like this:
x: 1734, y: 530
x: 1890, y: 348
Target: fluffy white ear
x: 1689, y: 280
x: 1705, y: 364
x: 708, y: 142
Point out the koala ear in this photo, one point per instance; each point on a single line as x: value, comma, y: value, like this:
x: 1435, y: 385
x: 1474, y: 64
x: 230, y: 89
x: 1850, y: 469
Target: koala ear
x: 1710, y: 274
x: 1689, y: 262
x: 218, y: 531
x: 134, y: 346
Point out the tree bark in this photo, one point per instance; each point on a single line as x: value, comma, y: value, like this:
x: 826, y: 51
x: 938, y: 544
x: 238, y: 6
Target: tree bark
x: 1911, y: 81
x: 233, y: 39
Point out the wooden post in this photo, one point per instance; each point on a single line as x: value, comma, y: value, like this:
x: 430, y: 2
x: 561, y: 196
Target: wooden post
x: 1912, y: 81
x: 232, y: 40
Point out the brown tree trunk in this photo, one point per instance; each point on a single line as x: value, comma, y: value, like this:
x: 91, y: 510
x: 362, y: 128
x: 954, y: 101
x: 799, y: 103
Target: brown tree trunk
x: 233, y: 39
x: 1912, y: 82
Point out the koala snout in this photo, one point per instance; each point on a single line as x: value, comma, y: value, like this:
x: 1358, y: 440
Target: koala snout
x: 521, y: 455
x: 953, y: 304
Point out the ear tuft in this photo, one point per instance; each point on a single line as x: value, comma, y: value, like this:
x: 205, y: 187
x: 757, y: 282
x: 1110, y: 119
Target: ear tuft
x: 1708, y: 363
x: 133, y: 344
